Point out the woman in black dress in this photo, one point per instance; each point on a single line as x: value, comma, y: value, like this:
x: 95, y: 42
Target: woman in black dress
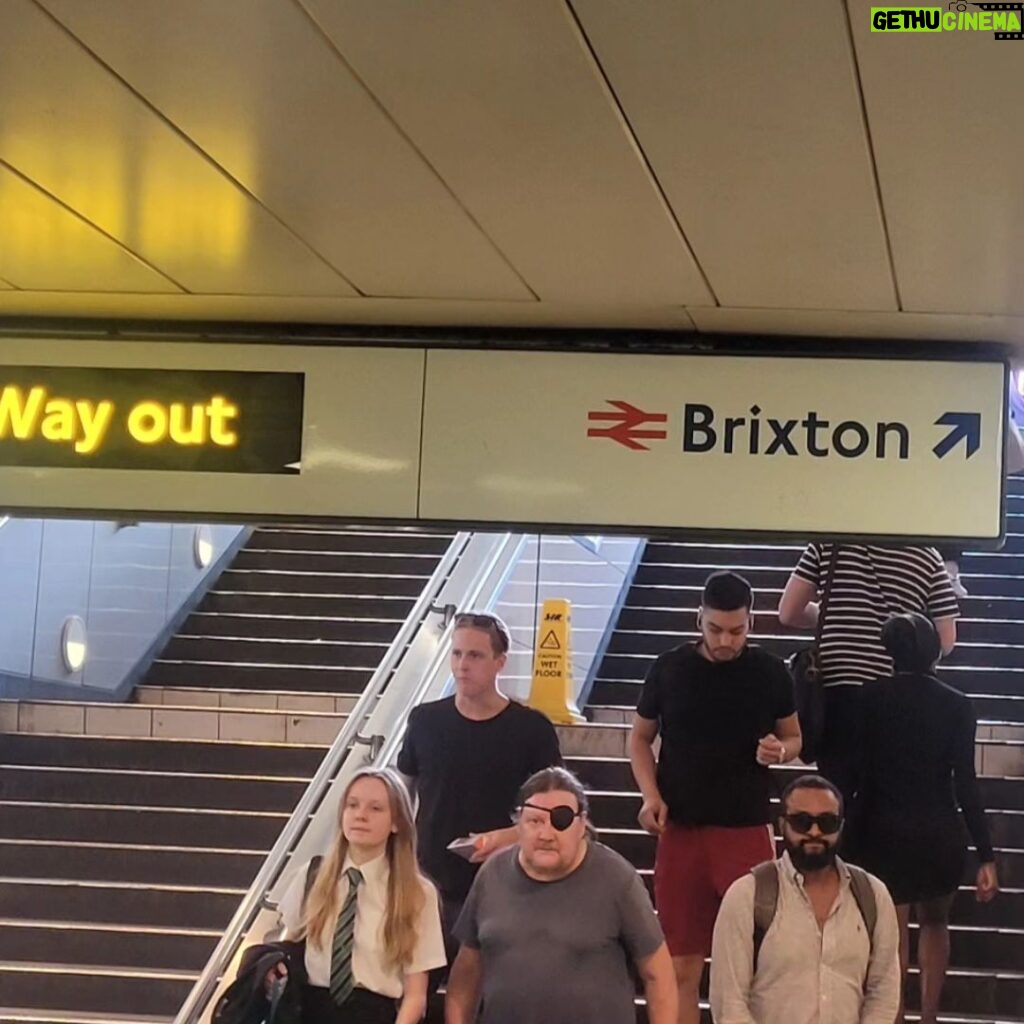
x: 916, y: 792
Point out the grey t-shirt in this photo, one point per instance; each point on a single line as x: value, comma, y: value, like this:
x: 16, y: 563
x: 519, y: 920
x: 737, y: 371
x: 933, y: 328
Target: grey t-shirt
x: 558, y: 952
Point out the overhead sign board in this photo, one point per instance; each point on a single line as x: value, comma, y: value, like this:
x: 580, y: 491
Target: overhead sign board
x: 870, y: 447
x: 217, y: 421
x: 248, y: 431
x: 740, y: 443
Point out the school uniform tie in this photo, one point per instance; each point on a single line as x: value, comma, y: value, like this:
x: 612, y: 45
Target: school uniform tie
x: 342, y: 981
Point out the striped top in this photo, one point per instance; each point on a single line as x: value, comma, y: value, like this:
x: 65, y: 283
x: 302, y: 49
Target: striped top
x: 872, y: 583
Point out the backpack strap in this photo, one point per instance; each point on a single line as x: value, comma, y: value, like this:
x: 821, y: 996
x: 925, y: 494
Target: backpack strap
x: 766, y: 901
x: 864, y: 897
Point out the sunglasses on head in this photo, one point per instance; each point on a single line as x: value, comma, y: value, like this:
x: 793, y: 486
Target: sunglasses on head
x: 828, y: 824
x: 561, y: 816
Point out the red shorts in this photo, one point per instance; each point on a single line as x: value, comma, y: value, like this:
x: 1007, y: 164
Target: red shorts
x: 692, y: 870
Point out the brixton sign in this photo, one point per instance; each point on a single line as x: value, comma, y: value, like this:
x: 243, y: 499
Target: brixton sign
x: 751, y: 444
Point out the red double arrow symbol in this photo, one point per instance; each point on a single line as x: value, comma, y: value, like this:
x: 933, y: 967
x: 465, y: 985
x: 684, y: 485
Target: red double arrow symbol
x: 626, y: 423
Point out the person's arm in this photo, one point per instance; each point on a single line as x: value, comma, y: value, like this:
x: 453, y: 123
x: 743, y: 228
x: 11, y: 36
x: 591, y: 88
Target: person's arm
x: 654, y: 811
x: 882, y: 985
x: 782, y: 745
x: 489, y: 843
x: 965, y: 782
x: 732, y: 956
x: 414, y: 999
x: 942, y: 607
x: 464, y: 985
x: 946, y: 629
x: 408, y: 761
x: 798, y: 606
x: 660, y: 989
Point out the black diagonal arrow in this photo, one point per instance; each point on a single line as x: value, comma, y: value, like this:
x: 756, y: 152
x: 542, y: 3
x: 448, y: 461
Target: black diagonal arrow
x: 964, y: 426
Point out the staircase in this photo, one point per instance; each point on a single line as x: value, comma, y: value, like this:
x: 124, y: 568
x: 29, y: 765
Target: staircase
x: 986, y: 979
x: 129, y: 833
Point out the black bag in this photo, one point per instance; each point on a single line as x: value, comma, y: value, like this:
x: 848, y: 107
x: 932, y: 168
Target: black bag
x: 245, y: 1000
x: 805, y: 665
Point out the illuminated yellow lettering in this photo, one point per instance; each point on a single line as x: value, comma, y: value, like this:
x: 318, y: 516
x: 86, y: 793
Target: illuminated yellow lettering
x: 220, y: 412
x: 95, y: 421
x: 195, y: 432
x: 59, y: 421
x: 147, y: 423
x: 18, y: 414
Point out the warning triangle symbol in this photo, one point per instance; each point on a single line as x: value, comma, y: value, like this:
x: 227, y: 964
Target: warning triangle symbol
x: 550, y: 642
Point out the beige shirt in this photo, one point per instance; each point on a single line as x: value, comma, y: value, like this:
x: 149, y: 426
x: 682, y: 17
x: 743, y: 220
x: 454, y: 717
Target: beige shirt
x: 805, y: 974
x: 369, y: 966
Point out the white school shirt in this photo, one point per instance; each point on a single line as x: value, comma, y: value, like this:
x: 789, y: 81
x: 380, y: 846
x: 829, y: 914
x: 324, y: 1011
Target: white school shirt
x: 370, y: 968
x: 805, y: 974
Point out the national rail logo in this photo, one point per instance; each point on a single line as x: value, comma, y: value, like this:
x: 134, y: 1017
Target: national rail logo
x: 1002, y: 19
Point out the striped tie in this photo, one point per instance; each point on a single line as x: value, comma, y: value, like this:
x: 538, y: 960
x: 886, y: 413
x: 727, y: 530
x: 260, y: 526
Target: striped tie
x: 342, y: 981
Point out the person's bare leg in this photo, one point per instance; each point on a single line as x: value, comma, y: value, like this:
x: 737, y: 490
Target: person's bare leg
x: 903, y: 918
x: 933, y: 954
x: 688, y: 974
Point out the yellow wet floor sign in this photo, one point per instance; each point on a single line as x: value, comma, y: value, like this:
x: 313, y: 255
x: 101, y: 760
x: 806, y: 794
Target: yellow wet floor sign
x: 552, y: 689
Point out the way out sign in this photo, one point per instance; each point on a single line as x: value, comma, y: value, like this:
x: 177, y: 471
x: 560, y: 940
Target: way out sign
x: 860, y: 447
x: 552, y: 689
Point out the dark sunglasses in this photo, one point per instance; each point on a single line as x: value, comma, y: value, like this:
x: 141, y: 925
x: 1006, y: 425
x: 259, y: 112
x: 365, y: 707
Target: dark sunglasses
x: 828, y: 824
x: 561, y: 816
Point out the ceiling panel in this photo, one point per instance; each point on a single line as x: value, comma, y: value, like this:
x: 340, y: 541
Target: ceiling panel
x: 69, y: 125
x: 750, y: 115
x: 44, y: 246
x: 507, y: 104
x: 293, y: 125
x: 945, y: 118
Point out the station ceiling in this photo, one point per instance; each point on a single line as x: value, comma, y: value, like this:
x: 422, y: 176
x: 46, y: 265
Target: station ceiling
x: 704, y: 166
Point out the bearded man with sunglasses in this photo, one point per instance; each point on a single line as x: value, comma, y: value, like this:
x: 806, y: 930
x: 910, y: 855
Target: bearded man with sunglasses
x: 830, y: 951
x: 551, y: 925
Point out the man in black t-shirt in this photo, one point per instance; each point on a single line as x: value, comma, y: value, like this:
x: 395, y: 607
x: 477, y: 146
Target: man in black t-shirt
x: 466, y: 756
x: 724, y: 711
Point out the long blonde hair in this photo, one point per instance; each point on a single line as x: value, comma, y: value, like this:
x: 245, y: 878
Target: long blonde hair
x: 406, y: 885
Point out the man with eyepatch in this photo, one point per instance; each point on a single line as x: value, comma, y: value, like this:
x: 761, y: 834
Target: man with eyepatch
x: 816, y: 962
x: 552, y: 925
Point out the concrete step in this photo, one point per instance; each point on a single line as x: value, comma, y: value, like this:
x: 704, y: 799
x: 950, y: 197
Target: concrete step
x: 95, y: 989
x: 162, y: 721
x: 994, y: 756
x: 293, y: 627
x: 265, y: 700
x: 335, y: 539
x: 112, y: 945
x: 217, y: 757
x: 117, y: 903
x: 142, y: 863
x: 258, y: 676
x: 49, y: 784
x: 161, y: 826
x: 271, y: 650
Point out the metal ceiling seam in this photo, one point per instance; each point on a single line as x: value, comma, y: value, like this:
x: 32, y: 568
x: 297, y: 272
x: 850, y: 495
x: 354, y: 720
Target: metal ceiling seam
x: 196, y: 148
x: 81, y: 218
x: 869, y: 141
x: 616, y: 104
x: 410, y: 142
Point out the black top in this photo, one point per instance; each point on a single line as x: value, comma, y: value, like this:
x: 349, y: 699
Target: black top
x: 711, y: 716
x: 467, y: 776
x: 919, y: 757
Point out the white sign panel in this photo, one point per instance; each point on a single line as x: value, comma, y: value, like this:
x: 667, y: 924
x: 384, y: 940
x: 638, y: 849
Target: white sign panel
x: 851, y: 446
x: 358, y: 443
